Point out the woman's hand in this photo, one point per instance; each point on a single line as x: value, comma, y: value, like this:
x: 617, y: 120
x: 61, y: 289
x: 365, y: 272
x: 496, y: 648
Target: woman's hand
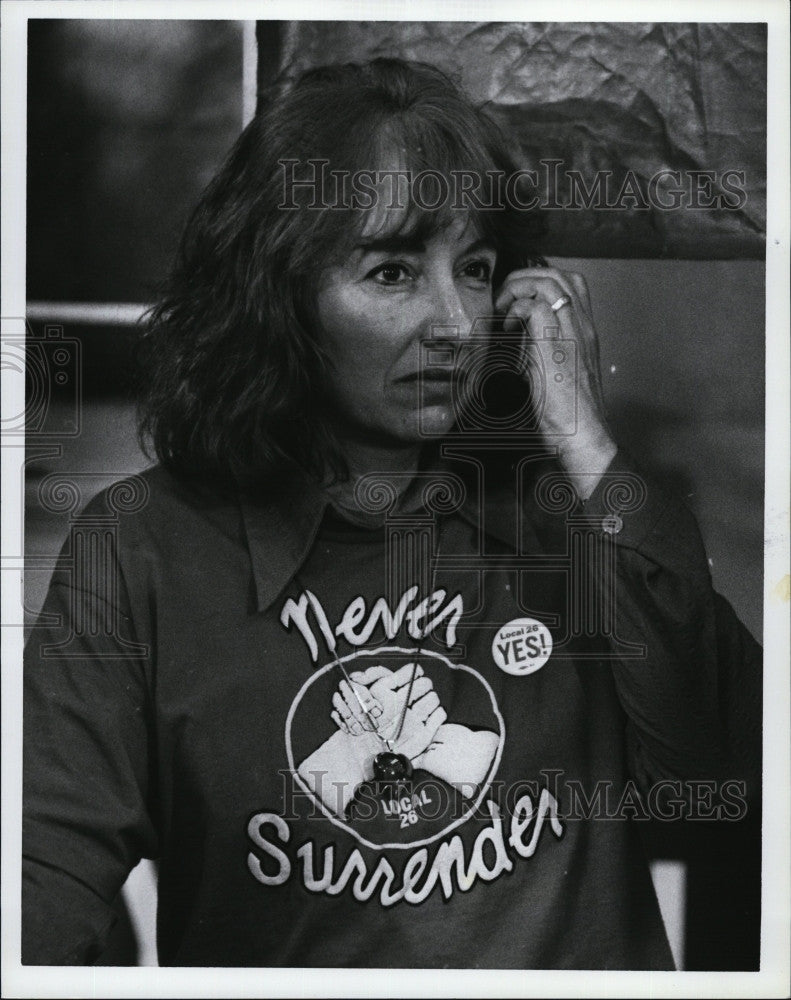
x: 572, y: 418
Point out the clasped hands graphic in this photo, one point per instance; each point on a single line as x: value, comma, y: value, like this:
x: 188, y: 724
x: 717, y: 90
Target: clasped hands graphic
x: 371, y: 713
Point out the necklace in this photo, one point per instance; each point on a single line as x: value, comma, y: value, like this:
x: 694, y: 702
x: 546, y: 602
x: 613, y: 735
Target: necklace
x: 390, y: 768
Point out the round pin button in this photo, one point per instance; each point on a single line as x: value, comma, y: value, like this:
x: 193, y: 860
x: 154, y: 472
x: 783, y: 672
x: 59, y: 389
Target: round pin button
x: 612, y: 524
x: 522, y: 646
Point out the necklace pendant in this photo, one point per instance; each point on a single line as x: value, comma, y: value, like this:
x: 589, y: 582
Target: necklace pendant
x: 390, y: 767
x: 392, y: 772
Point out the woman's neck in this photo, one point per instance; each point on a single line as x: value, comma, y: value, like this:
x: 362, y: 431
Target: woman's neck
x: 397, y: 466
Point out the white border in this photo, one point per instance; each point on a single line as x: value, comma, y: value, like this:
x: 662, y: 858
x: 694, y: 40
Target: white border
x: 773, y: 980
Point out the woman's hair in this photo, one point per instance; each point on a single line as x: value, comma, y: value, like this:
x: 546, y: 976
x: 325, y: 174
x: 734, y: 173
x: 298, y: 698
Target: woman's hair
x: 234, y: 370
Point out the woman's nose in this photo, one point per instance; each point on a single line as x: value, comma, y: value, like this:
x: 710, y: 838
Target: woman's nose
x: 449, y: 312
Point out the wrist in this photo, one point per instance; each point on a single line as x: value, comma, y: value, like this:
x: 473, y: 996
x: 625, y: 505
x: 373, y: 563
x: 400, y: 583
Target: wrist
x: 585, y: 457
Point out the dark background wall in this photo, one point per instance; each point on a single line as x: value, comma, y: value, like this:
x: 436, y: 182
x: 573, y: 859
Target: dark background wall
x: 127, y: 120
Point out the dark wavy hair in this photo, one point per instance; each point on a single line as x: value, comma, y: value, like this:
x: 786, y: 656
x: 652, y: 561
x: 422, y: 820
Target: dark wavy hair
x: 234, y: 369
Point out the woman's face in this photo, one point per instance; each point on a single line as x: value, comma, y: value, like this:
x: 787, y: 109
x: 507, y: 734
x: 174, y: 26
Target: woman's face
x: 378, y: 305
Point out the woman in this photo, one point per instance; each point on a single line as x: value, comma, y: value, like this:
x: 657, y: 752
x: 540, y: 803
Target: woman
x: 344, y: 685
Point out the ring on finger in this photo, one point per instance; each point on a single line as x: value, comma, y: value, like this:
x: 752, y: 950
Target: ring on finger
x: 564, y: 300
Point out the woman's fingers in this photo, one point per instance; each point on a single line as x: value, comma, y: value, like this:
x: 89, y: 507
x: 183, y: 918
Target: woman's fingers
x: 581, y: 288
x: 548, y: 287
x: 545, y: 288
x: 547, y: 283
x: 526, y: 299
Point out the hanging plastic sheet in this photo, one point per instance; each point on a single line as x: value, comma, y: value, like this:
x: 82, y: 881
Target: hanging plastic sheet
x: 654, y: 133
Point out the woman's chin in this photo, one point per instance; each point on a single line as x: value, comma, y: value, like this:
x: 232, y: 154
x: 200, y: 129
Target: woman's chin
x: 431, y: 422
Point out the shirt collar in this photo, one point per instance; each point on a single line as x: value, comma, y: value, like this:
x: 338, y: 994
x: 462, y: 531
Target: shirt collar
x: 281, y: 530
x: 280, y: 533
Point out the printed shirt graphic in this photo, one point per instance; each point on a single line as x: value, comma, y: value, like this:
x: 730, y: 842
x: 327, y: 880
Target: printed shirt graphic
x: 389, y: 675
x: 394, y: 699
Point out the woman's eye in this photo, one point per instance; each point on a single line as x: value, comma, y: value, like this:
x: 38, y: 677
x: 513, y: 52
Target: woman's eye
x: 390, y: 274
x: 480, y: 270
